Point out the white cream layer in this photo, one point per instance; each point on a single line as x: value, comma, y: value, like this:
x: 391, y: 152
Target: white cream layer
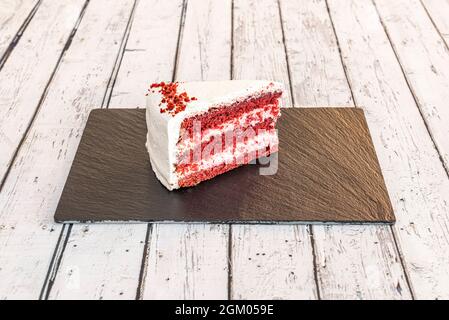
x: 229, y: 156
x: 164, y: 129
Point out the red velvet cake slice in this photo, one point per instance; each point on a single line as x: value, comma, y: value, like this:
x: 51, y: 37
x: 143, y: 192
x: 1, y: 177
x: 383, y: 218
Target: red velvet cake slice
x: 198, y: 130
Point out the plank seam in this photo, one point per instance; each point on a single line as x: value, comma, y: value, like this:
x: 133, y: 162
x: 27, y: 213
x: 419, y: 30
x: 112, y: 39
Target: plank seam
x: 118, y: 60
x: 287, y: 61
x: 231, y: 71
x: 180, y: 35
x: 75, y: 28
x: 230, y: 262
x: 144, y: 263
x: 18, y: 35
x: 401, y: 258
x: 415, y: 98
x: 314, y: 257
x: 43, y: 96
x: 55, y: 261
x: 434, y: 25
x: 340, y: 53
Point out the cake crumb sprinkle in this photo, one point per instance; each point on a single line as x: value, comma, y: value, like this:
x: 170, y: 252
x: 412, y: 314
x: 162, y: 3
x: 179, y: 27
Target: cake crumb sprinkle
x: 173, y: 101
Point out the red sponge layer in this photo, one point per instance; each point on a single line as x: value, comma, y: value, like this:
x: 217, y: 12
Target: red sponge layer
x: 216, y: 116
x: 225, y: 140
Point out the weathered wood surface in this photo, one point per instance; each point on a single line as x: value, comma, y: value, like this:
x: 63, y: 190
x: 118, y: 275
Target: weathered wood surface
x: 424, y: 58
x: 187, y: 261
x: 29, y: 70
x: 415, y: 177
x: 272, y: 262
x: 29, y: 196
x: 14, y: 18
x: 438, y: 11
x: 318, y: 79
x: 396, y: 70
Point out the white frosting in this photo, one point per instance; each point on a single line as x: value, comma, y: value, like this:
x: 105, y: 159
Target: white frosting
x: 164, y: 129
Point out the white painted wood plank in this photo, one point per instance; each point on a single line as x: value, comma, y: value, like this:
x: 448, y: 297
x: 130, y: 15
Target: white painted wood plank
x: 438, y: 10
x: 358, y: 262
x: 205, y: 51
x: 191, y: 261
x: 424, y: 57
x: 187, y: 262
x: 28, y: 235
x: 100, y: 262
x: 150, y: 52
x: 317, y: 74
x: 353, y: 262
x: 283, y: 257
x: 258, y: 48
x: 13, y: 14
x: 107, y: 259
x: 29, y: 68
x: 272, y: 262
x: 415, y: 177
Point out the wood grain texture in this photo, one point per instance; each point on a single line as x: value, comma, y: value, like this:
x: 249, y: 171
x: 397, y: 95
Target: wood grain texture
x: 424, y: 57
x: 358, y: 262
x: 13, y: 18
x: 83, y: 275
x: 196, y: 269
x: 154, y: 30
x: 316, y: 72
x: 438, y: 11
x: 271, y: 262
x: 328, y: 173
x: 31, y: 192
x: 203, y: 54
x: 154, y: 33
x: 318, y: 79
x: 28, y: 70
x: 205, y: 48
x: 415, y: 177
x: 258, y: 53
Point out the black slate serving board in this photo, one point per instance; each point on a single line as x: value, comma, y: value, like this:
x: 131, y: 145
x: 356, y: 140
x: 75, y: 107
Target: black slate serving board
x: 327, y: 172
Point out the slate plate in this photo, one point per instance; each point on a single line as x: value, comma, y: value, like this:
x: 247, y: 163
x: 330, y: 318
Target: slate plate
x: 327, y: 172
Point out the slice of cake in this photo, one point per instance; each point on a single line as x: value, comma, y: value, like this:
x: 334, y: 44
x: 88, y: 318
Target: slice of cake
x: 198, y: 130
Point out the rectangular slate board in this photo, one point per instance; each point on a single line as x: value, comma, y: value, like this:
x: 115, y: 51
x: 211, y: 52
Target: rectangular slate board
x: 327, y: 172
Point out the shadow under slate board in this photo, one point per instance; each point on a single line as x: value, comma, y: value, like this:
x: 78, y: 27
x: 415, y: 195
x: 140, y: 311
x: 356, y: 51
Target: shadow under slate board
x: 327, y: 173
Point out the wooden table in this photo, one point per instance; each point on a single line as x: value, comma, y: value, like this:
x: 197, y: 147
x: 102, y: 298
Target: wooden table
x: 61, y: 59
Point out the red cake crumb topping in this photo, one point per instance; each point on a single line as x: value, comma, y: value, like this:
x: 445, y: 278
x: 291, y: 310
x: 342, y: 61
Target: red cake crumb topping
x: 174, y: 102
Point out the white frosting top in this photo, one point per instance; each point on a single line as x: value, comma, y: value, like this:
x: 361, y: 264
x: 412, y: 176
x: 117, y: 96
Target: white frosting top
x: 164, y: 128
